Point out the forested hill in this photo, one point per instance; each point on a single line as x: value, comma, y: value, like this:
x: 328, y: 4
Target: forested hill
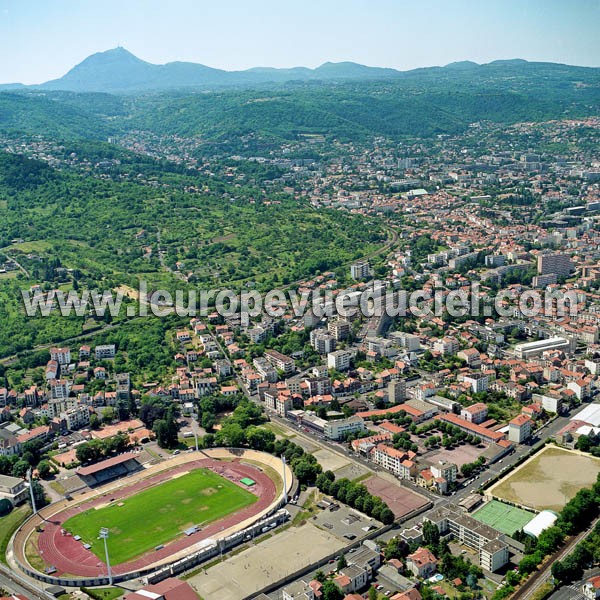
x: 424, y: 102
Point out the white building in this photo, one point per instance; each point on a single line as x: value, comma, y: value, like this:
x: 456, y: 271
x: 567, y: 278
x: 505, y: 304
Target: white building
x: 339, y: 360
x: 336, y: 430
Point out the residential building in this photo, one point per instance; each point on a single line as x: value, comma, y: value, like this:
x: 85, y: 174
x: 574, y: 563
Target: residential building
x: 360, y: 270
x: 446, y: 470
x: 339, y: 360
x: 478, y: 382
x: 280, y: 361
x: 105, y: 351
x: 519, y: 429
x: 398, y: 462
x: 61, y: 355
x: 339, y: 328
x: 554, y: 263
x: 322, y: 342
x: 489, y: 542
x: 476, y: 413
x: 422, y: 563
x: 397, y: 391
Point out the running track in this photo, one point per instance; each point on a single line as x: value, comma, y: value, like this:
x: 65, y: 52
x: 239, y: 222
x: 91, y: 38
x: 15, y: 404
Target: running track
x: 69, y: 556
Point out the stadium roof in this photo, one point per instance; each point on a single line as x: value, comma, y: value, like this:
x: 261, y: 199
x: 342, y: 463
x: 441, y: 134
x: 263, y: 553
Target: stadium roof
x: 106, y: 464
x: 590, y: 415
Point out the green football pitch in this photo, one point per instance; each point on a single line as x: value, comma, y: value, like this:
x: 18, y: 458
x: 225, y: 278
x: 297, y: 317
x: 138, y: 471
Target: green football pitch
x: 158, y: 515
x: 503, y: 517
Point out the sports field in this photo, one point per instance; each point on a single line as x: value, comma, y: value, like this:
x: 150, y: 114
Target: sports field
x: 158, y: 515
x: 548, y: 480
x: 503, y: 517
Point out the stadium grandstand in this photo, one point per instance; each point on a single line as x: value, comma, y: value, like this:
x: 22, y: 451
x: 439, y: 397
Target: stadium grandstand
x: 109, y: 469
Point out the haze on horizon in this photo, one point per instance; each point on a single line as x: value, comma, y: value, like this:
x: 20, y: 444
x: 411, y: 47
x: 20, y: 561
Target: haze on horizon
x: 41, y: 40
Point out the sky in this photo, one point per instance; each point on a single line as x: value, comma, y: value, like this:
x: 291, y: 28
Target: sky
x: 43, y: 39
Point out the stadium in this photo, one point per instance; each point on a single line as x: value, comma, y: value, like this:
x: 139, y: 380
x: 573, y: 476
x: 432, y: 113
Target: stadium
x: 162, y: 519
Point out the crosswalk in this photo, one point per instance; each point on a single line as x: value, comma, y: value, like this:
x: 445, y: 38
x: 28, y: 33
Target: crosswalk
x: 575, y: 592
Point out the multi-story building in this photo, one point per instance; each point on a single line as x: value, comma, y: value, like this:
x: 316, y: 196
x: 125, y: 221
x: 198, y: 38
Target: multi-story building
x: 281, y: 361
x: 478, y: 382
x: 338, y: 429
x: 476, y: 413
x: 105, y: 351
x: 554, y: 263
x: 77, y: 417
x: 519, y: 429
x: 446, y: 346
x: 397, y: 391
x: 322, y: 341
x: 422, y: 563
x: 61, y: 355
x: 13, y: 489
x: 398, y: 462
x: 360, y: 270
x: 446, y: 470
x: 298, y: 590
x: 339, y: 360
x: 487, y: 541
x: 529, y: 350
x: 339, y: 328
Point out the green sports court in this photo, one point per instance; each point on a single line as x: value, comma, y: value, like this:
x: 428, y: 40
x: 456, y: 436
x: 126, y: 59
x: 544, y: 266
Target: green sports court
x: 503, y: 517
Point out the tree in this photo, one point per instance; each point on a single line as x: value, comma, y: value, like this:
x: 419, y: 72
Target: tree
x: 341, y: 562
x: 431, y: 535
x: 5, y: 506
x: 331, y: 591
x: 20, y: 468
x: 44, y: 469
x: 373, y: 593
x: 386, y: 516
x: 108, y: 415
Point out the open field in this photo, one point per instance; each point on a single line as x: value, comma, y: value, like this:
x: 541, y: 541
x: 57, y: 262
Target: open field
x: 159, y: 514
x: 503, y: 517
x: 8, y: 526
x: 548, y: 480
x: 401, y: 500
x: 245, y: 573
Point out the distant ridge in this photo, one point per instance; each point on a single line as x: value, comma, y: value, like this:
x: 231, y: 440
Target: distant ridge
x: 119, y: 71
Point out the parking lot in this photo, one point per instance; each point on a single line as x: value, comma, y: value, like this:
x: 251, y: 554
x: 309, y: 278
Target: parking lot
x: 345, y: 523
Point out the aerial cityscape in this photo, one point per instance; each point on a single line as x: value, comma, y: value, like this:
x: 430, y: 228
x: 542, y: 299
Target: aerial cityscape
x: 281, y: 332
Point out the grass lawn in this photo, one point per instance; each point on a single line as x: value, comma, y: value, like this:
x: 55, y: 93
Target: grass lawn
x: 9, y: 524
x: 158, y: 515
x: 503, y: 517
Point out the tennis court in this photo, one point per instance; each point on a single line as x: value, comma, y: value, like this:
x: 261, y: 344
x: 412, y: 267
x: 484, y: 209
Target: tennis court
x: 503, y: 517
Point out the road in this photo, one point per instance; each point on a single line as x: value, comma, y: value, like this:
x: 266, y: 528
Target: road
x: 15, y: 584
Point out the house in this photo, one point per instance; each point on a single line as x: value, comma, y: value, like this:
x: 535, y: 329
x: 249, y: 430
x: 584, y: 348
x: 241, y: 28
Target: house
x: 412, y: 594
x: 591, y: 588
x: 422, y: 563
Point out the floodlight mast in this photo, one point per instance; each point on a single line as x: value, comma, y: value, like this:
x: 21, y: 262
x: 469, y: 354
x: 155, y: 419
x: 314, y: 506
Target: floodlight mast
x: 31, y: 491
x: 104, y: 536
x: 285, y: 496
